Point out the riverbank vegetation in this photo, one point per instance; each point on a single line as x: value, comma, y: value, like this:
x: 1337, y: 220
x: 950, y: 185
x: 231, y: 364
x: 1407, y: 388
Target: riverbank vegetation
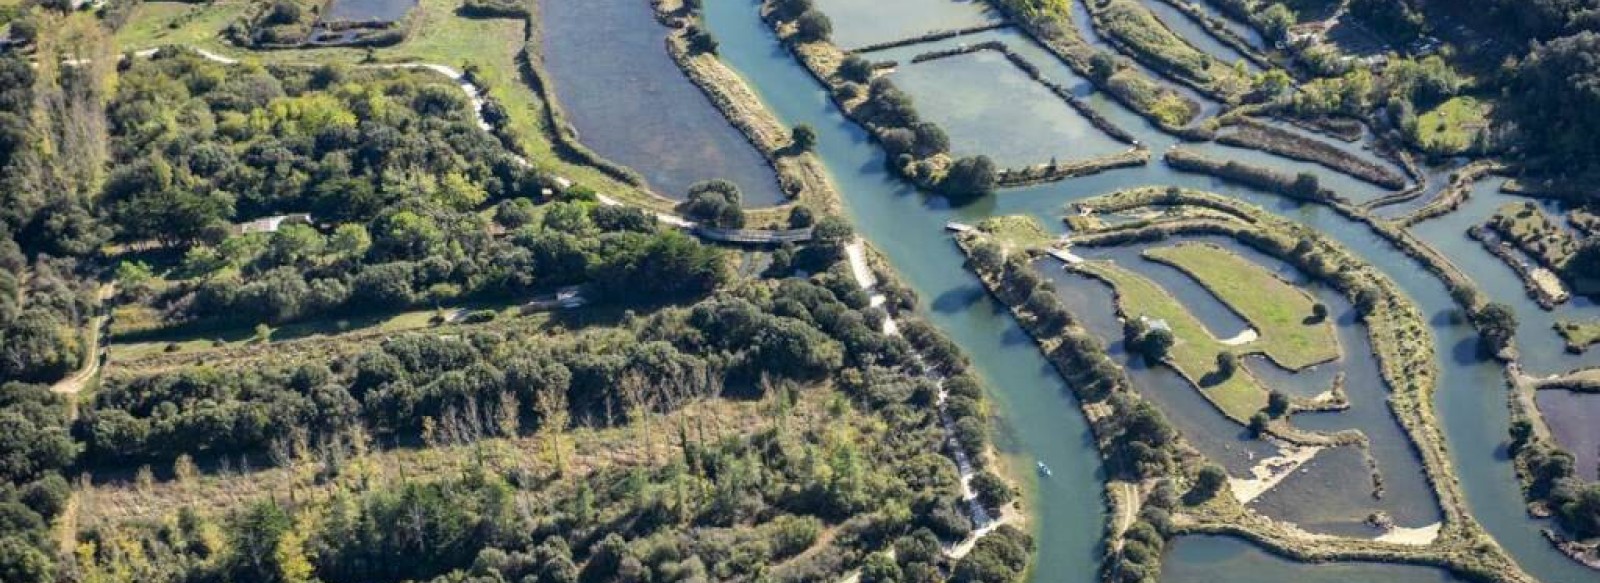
x: 1300, y: 186
x: 1579, y: 335
x: 1050, y: 22
x: 1256, y: 135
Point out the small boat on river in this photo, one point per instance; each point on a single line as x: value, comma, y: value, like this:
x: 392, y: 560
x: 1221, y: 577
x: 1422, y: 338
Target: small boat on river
x: 1044, y: 470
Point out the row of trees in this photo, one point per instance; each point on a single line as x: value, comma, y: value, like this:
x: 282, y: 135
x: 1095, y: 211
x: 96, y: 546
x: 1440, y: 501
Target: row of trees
x: 52, y: 152
x: 916, y: 149
x: 423, y: 254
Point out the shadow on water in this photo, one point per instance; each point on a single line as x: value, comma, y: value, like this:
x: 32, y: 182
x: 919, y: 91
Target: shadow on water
x: 630, y: 103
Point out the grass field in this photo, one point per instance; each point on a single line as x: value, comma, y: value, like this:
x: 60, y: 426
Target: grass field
x: 437, y: 35
x: 1016, y: 232
x: 234, y: 337
x: 1452, y: 127
x: 1196, y: 350
x: 1277, y: 309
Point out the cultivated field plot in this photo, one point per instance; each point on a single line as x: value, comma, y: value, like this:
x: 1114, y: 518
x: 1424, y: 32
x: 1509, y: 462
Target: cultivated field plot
x: 989, y: 106
x: 858, y: 23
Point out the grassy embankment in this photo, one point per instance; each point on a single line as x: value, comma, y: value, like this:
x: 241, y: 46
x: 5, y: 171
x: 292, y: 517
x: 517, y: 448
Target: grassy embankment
x: 438, y: 36
x: 1050, y: 23
x: 1132, y: 26
x: 1579, y: 334
x: 178, y: 23
x: 1283, y: 313
x: 1461, y: 547
x: 1527, y: 226
x: 1194, y: 356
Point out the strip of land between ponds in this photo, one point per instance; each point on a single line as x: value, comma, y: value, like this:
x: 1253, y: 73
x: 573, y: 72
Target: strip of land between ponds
x: 1408, y: 368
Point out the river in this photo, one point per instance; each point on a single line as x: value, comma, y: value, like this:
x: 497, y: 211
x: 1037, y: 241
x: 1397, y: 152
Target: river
x: 1040, y: 421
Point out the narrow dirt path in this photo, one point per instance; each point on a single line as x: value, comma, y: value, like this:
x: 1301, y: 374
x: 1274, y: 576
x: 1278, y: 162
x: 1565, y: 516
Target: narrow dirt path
x: 95, y: 352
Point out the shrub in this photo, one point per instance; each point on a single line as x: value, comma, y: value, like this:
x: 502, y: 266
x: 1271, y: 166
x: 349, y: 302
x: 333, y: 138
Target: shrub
x: 717, y: 202
x: 813, y: 26
x: 701, y: 41
x: 804, y: 137
x: 992, y: 491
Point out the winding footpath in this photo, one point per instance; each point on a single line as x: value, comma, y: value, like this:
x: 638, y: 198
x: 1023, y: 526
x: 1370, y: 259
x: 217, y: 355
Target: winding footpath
x: 982, y: 521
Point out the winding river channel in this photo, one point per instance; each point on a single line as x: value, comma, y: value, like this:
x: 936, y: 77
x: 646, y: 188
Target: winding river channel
x: 1039, y: 420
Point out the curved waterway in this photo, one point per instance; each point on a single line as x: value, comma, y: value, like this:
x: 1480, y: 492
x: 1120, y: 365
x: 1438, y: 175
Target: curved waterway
x: 1040, y: 419
x: 1541, y: 351
x: 630, y: 103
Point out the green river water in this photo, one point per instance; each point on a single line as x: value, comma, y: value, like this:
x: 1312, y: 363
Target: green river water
x: 1039, y: 420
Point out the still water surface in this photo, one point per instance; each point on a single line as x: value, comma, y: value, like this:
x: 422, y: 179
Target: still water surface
x: 1041, y: 421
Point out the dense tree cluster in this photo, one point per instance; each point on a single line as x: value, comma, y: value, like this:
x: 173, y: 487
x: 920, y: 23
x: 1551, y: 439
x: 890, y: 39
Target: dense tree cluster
x: 198, y: 145
x: 722, y: 509
x: 797, y: 330
x: 33, y: 493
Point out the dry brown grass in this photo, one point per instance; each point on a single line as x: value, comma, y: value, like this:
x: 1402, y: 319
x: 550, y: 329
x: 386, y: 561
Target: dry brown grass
x: 649, y: 442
